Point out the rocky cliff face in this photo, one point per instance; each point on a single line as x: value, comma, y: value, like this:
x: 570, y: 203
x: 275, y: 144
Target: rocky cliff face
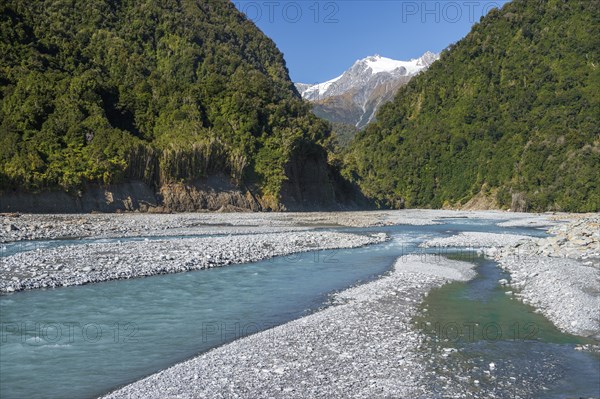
x: 312, y: 185
x: 131, y: 196
x: 215, y: 193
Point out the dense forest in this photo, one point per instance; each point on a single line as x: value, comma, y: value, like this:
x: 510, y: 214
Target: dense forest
x: 107, y: 91
x: 511, y: 113
x: 104, y: 91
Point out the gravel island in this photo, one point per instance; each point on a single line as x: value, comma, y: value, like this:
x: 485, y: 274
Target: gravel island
x: 91, y: 263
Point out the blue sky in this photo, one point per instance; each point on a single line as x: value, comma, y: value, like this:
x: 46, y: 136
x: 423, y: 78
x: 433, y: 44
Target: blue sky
x: 321, y: 39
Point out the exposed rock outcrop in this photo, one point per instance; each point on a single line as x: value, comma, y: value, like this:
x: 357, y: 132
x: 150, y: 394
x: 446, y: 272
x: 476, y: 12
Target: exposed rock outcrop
x: 213, y: 194
x: 131, y: 196
x: 312, y: 185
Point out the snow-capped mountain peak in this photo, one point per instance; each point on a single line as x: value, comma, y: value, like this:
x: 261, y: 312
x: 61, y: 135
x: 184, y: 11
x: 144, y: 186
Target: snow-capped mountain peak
x: 379, y: 64
x: 362, y: 72
x: 427, y: 59
x: 371, y: 76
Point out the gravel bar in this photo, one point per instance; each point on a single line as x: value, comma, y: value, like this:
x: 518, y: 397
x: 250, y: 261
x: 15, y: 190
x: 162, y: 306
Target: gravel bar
x: 18, y: 227
x: 364, y: 347
x: 90, y: 263
x: 475, y: 240
x: 559, y: 275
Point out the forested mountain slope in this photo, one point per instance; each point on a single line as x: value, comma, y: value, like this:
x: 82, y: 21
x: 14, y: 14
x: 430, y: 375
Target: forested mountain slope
x: 510, y: 114
x: 103, y: 91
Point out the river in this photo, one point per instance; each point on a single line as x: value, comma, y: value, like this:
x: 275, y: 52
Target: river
x: 81, y: 342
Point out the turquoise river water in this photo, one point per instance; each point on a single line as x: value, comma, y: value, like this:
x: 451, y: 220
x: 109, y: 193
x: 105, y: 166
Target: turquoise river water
x: 81, y: 342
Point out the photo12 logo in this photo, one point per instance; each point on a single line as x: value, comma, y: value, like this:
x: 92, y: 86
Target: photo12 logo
x: 488, y: 331
x: 39, y: 334
x: 446, y: 11
x: 326, y: 12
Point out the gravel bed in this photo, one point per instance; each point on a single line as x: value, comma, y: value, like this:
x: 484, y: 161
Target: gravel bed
x: 362, y: 347
x: 535, y: 222
x: 559, y: 275
x: 89, y: 263
x: 16, y: 227
x: 47, y: 227
x: 564, y: 290
x: 475, y: 240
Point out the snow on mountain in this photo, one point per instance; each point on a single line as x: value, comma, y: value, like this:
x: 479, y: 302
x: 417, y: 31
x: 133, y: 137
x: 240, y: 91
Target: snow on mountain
x: 362, y: 72
x: 318, y: 89
x: 379, y: 64
x: 372, y: 76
